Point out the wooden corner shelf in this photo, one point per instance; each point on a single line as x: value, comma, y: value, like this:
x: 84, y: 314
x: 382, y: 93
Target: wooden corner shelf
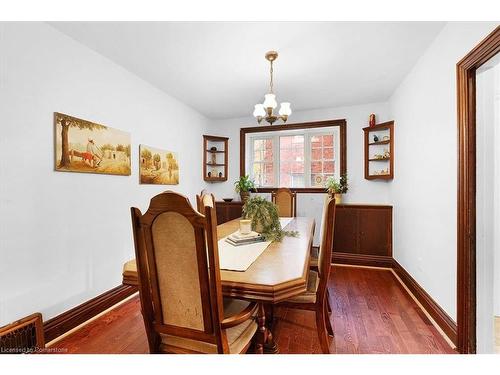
x: 216, y: 160
x: 385, y: 129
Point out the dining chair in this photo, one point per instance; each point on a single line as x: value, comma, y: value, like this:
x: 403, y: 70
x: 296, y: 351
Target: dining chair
x: 179, y: 282
x: 315, y: 297
x: 286, y: 200
x: 203, y: 200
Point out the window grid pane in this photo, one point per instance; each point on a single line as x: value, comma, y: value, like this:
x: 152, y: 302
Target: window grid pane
x: 262, y: 168
x: 322, y: 159
x: 291, y: 156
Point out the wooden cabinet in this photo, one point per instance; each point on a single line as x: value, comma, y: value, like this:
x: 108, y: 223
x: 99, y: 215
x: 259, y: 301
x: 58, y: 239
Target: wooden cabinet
x: 363, y: 229
x: 227, y: 211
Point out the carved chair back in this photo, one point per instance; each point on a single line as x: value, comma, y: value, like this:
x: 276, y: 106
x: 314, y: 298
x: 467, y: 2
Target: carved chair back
x: 286, y: 200
x: 203, y: 200
x: 179, y: 276
x: 326, y: 244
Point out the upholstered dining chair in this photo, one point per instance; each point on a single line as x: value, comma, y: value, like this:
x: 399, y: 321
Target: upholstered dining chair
x: 315, y: 297
x: 286, y: 200
x: 179, y: 282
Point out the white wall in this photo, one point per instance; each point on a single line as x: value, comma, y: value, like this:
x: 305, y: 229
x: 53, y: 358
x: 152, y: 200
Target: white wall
x: 424, y: 190
x: 360, y: 190
x: 65, y: 236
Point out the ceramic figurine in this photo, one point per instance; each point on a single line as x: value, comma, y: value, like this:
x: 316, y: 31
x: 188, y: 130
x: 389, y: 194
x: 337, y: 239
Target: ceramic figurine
x: 375, y: 138
x: 220, y: 174
x: 372, y: 119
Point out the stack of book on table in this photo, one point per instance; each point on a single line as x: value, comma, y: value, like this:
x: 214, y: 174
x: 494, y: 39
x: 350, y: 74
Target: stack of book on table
x: 238, y: 239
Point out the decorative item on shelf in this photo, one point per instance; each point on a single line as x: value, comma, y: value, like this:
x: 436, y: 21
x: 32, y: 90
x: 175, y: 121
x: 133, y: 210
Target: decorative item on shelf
x: 220, y: 174
x: 387, y: 154
x: 383, y: 172
x: 378, y: 156
x: 337, y: 188
x: 243, y: 186
x: 213, y: 148
x: 375, y: 138
x: 209, y: 174
x: 265, y: 219
x: 265, y: 110
x: 372, y: 119
x: 386, y: 138
x: 214, y: 158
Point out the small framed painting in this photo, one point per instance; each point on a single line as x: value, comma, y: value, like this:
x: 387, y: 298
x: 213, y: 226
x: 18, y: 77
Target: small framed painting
x: 157, y: 166
x: 88, y: 147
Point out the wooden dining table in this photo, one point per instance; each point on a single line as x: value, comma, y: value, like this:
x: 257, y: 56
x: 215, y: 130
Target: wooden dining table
x: 280, y: 272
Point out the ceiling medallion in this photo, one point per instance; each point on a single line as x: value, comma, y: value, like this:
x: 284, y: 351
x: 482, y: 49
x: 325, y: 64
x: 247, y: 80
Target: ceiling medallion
x: 265, y: 110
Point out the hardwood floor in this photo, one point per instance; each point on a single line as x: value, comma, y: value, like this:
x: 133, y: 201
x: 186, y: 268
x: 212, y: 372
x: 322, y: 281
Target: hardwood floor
x: 372, y: 313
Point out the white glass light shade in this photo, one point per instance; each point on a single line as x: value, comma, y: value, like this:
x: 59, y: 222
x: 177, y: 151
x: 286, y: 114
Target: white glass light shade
x: 259, y: 110
x: 270, y: 101
x: 285, y: 109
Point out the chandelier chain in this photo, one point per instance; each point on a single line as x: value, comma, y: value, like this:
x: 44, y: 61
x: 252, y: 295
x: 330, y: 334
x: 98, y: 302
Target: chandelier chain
x: 271, y: 83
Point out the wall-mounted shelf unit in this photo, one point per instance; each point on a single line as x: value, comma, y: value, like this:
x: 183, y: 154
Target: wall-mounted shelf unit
x: 379, y: 151
x: 215, y: 158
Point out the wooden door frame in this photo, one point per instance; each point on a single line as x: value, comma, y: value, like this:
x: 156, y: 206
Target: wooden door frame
x: 466, y: 205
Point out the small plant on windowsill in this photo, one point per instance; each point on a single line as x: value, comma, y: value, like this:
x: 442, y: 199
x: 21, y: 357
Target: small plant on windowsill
x: 265, y: 219
x: 243, y: 186
x: 337, y: 188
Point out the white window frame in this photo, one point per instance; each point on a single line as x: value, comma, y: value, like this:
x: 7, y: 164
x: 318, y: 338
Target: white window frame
x: 307, y: 133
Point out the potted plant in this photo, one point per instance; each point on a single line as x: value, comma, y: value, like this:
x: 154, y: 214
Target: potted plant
x: 337, y: 188
x: 265, y: 219
x: 243, y: 186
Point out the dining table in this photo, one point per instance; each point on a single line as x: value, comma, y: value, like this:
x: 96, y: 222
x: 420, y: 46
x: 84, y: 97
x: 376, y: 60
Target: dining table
x: 278, y: 273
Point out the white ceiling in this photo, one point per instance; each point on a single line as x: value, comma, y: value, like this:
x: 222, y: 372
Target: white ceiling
x: 219, y: 68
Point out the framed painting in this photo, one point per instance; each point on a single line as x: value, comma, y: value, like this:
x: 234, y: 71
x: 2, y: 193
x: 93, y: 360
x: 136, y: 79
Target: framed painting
x: 88, y: 147
x: 157, y: 166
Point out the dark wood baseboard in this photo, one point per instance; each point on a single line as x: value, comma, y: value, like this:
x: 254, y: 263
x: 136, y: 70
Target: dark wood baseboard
x: 68, y: 320
x: 441, y: 318
x: 362, y: 260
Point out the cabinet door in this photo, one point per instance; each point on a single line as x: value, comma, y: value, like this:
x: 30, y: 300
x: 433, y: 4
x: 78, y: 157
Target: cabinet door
x: 345, y: 239
x: 234, y: 211
x: 375, y: 231
x: 221, y: 211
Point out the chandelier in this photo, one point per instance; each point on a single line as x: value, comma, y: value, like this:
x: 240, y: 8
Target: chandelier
x: 265, y: 110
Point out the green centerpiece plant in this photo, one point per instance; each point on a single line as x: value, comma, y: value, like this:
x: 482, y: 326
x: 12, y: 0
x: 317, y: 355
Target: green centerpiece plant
x: 243, y: 186
x: 265, y: 219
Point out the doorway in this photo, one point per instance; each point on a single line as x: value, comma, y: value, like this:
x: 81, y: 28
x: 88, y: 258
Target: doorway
x: 468, y: 238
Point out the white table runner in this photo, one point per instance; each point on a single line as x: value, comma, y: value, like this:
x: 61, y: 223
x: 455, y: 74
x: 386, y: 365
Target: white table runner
x: 240, y: 258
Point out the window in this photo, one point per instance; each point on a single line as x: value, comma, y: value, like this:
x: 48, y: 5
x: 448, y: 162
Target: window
x: 322, y: 159
x: 262, y: 163
x: 291, y: 158
x: 294, y: 158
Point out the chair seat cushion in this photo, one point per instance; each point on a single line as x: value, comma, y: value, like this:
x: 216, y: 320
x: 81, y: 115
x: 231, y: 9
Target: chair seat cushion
x: 313, y: 260
x: 238, y: 336
x: 309, y: 296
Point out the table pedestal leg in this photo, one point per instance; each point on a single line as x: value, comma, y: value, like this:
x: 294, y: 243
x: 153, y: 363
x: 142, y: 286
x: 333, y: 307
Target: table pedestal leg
x: 265, y: 342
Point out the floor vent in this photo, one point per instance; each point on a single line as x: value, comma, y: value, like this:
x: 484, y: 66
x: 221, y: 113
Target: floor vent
x: 23, y: 336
